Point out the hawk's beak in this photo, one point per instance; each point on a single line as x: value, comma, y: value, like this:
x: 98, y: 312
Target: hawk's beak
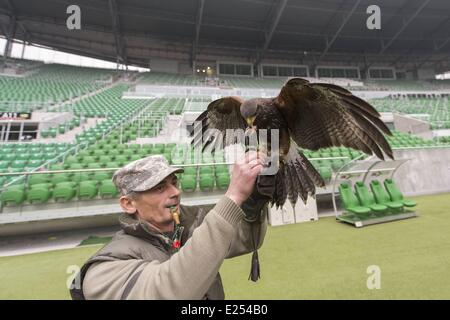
x: 252, y: 127
x: 250, y: 121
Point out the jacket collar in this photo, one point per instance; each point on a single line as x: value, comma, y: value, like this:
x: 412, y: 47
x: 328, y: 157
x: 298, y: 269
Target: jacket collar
x: 136, y: 227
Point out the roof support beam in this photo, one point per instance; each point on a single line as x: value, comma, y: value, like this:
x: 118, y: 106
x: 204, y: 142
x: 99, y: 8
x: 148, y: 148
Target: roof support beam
x: 10, y: 38
x: 198, y: 23
x: 120, y: 49
x: 3, y: 30
x: 13, y: 14
x: 405, y: 24
x: 440, y: 26
x: 273, y: 25
x: 436, y: 51
x: 344, y: 22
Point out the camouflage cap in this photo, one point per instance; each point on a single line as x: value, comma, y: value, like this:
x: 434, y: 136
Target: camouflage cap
x: 143, y: 174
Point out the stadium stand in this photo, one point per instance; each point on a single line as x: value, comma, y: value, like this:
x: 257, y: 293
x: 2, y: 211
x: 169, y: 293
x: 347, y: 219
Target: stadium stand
x: 49, y: 85
x: 65, y: 130
x: 437, y: 110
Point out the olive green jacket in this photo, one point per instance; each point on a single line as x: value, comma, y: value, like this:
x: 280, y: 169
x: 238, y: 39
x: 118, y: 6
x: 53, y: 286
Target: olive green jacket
x: 139, y: 262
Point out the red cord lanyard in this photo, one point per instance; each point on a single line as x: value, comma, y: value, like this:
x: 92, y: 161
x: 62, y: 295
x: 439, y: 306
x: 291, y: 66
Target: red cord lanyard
x: 176, y: 239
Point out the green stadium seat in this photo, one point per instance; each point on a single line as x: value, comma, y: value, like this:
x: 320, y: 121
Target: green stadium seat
x: 121, y: 159
x: 80, y: 176
x: 35, y: 148
x: 114, y: 152
x: 76, y: 166
x: 121, y: 148
x: 45, y: 133
x: 13, y: 195
x: 222, y: 180
x: 64, y: 191
x: 134, y: 157
x: 128, y: 152
x: 88, y: 159
x: 158, y: 148
x: 19, y: 164
x: 350, y: 201
x: 37, y: 156
x: 143, y: 152
x: 85, y: 153
x: 98, y: 153
x: 62, y: 129
x: 53, y: 132
x: 206, y: 182
x: 50, y: 155
x: 9, y: 157
x: 101, y: 175
x: 188, y: 183
x: 87, y: 190
x: 103, y: 160
x: 206, y: 170
x: 56, y: 166
x: 177, y: 160
x: 22, y: 156
x: 39, y: 193
x: 396, y: 195
x: 38, y: 179
x: 35, y: 163
x: 94, y: 165
x: 69, y: 160
x: 4, y: 164
x: 222, y: 168
x: 382, y: 197
x: 325, y: 172
x: 190, y: 171
x: 147, y: 148
x: 112, y: 164
x: 107, y: 189
x: 59, y: 177
x: 135, y: 147
x: 366, y: 199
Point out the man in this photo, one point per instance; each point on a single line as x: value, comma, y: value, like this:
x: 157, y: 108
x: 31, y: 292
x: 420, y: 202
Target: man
x: 144, y: 259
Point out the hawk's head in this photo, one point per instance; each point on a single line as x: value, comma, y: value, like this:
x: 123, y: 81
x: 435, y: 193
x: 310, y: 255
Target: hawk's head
x: 248, y: 111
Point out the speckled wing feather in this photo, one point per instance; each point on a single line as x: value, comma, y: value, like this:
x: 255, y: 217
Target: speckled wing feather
x: 221, y: 114
x: 323, y: 115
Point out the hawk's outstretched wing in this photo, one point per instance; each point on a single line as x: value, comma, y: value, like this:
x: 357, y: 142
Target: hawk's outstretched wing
x: 321, y: 115
x: 221, y: 114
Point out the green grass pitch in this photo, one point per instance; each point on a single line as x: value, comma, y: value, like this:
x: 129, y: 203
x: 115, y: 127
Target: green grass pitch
x: 315, y: 260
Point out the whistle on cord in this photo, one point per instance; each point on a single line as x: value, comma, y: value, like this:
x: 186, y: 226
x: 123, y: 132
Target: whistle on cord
x: 175, y: 214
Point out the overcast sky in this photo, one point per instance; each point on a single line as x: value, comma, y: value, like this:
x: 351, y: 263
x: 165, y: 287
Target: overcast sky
x: 48, y: 55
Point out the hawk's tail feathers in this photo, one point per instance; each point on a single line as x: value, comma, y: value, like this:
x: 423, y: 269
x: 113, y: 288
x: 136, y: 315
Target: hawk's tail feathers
x: 296, y: 177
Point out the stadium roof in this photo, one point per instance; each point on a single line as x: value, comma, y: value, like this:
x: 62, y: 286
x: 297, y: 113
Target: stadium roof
x: 309, y: 31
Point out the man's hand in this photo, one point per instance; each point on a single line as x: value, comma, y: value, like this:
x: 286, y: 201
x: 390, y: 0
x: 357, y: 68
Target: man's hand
x: 244, y: 175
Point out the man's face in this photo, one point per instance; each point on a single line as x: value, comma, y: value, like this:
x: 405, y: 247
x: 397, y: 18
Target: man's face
x: 152, y: 205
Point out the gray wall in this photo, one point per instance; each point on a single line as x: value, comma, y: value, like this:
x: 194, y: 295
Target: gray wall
x: 427, y: 172
x: 413, y: 126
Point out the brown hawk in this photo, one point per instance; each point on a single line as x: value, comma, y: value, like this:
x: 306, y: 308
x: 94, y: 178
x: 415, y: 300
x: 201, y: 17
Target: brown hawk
x: 308, y: 115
